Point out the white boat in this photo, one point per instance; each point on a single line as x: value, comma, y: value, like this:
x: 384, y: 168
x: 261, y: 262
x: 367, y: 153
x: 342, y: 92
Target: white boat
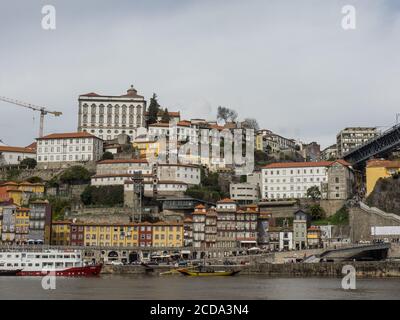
x: 60, y: 263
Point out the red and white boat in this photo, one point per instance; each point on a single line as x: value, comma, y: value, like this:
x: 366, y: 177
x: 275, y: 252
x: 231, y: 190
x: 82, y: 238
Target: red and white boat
x: 55, y: 262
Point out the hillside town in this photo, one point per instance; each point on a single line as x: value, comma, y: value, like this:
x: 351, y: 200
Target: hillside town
x: 132, y: 177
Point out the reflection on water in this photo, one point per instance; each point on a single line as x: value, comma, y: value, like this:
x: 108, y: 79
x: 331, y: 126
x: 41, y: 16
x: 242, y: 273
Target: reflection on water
x: 179, y: 288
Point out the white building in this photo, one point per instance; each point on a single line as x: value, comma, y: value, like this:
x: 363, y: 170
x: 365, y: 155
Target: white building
x: 14, y: 155
x: 116, y: 172
x: 244, y: 193
x: 122, y: 166
x: 286, y: 239
x: 291, y: 180
x: 108, y: 116
x: 351, y: 138
x: 164, y: 188
x: 190, y: 174
x: 63, y: 148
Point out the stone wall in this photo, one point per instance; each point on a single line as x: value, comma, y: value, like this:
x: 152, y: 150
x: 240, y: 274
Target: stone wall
x: 332, y: 206
x: 363, y: 270
x: 362, y: 218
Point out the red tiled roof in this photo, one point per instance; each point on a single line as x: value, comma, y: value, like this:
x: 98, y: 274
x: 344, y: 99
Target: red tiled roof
x: 226, y: 200
x: 159, y: 124
x: 184, y: 123
x: 16, y: 149
x: 68, y: 135
x: 32, y: 146
x: 383, y: 163
x: 171, y: 114
x: 125, y: 175
x: 279, y: 165
x: 91, y: 94
x: 200, y: 206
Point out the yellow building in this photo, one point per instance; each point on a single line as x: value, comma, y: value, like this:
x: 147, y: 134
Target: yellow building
x: 377, y: 169
x: 314, y: 237
x: 20, y: 193
x: 106, y: 235
x: 146, y: 147
x: 259, y: 142
x: 168, y: 234
x: 60, y: 233
x: 21, y: 225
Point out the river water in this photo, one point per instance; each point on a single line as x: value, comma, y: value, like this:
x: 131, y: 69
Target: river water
x: 178, y: 287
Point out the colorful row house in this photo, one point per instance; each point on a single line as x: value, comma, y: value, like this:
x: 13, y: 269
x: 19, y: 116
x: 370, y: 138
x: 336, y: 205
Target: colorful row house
x: 21, y: 193
x: 226, y: 226
x: 161, y: 234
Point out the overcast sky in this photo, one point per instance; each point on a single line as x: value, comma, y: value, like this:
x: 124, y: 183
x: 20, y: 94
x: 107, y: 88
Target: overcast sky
x: 289, y: 64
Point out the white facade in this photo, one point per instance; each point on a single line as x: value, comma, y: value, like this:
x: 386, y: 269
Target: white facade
x: 108, y: 116
x: 292, y: 180
x: 244, y: 192
x: 69, y: 147
x: 115, y: 172
x: 14, y: 155
x: 164, y: 188
x: 128, y: 166
x: 176, y: 172
x: 285, y: 240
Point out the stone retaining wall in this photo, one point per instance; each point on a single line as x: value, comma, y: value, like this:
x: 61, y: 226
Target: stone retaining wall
x: 363, y: 269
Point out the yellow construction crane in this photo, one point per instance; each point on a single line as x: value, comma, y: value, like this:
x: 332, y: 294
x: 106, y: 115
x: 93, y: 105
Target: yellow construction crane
x: 43, y: 111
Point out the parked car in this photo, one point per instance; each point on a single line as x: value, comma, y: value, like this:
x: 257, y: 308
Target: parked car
x: 116, y: 263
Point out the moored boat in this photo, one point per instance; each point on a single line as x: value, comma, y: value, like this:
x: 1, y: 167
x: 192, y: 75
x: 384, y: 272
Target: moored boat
x: 9, y: 273
x: 200, y: 273
x: 64, y: 263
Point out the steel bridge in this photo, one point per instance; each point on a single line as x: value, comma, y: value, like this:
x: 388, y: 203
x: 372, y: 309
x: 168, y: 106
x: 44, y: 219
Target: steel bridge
x: 379, y: 146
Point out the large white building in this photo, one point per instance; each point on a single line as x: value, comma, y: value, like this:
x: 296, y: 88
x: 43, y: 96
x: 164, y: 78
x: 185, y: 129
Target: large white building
x: 63, y: 148
x: 116, y: 172
x: 291, y: 180
x: 14, y: 155
x: 109, y: 116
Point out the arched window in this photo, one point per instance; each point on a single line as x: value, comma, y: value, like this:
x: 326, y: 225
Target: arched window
x: 85, y: 108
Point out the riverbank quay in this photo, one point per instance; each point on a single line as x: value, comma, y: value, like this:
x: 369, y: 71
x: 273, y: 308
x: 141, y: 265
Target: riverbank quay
x: 376, y: 269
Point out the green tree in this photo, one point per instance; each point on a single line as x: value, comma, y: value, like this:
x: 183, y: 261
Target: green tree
x: 35, y: 180
x: 154, y: 108
x: 226, y: 114
x: 86, y: 196
x: 30, y: 163
x: 316, y: 212
x: 313, y: 193
x: 107, y: 156
x: 75, y: 175
x: 260, y: 157
x: 250, y: 123
x: 104, y: 195
x: 165, y: 116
